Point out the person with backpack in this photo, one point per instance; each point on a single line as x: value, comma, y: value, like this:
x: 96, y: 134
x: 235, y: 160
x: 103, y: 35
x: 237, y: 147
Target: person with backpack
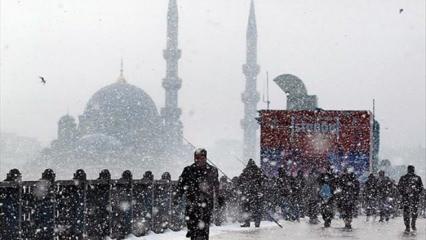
x: 410, y: 187
x: 326, y: 183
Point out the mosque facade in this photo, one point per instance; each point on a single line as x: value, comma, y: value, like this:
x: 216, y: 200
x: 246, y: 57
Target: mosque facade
x: 121, y: 127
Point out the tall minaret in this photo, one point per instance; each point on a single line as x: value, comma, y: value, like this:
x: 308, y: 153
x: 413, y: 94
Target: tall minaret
x: 172, y: 83
x: 250, y: 96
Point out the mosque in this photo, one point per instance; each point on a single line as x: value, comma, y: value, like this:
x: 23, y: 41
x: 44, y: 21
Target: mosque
x: 121, y: 127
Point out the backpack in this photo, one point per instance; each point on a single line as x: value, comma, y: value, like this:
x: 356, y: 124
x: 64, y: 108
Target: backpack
x: 325, y: 192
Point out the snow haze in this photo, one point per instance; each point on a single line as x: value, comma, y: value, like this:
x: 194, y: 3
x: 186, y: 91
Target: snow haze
x: 346, y: 52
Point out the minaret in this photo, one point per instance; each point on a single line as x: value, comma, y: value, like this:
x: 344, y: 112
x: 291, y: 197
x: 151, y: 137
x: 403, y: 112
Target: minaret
x: 250, y: 96
x: 172, y: 83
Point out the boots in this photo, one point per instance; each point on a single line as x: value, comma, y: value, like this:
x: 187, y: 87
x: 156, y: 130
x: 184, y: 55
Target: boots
x: 246, y: 224
x: 407, y: 229
x: 413, y: 224
x: 327, y: 223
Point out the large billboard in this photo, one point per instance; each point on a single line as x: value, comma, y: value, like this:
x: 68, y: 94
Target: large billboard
x: 303, y: 140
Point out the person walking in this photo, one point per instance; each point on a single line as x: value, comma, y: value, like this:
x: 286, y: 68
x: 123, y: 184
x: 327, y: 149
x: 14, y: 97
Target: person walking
x: 284, y: 192
x: 297, y: 197
x: 326, y: 183
x: 250, y: 184
x: 199, y: 182
x: 384, y: 188
x: 349, y: 186
x: 312, y: 188
x: 370, y: 196
x: 410, y: 187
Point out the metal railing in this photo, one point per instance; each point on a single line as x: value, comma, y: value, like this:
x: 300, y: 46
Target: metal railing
x: 92, y: 209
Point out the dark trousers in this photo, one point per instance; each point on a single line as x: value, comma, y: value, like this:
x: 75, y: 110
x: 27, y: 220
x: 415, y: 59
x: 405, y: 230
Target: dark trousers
x: 198, y: 217
x: 253, y: 211
x: 327, y: 211
x: 410, y: 213
x: 313, y: 208
x: 348, y: 212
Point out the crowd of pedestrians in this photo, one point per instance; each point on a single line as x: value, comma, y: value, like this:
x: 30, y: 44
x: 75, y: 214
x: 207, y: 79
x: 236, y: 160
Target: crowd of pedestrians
x: 320, y: 196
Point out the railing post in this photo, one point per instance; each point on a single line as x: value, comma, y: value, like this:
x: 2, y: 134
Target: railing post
x: 122, y: 207
x: 98, y: 204
x: 142, y: 207
x: 10, y: 210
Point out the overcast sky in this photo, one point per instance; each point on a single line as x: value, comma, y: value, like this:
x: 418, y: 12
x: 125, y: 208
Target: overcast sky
x: 346, y: 52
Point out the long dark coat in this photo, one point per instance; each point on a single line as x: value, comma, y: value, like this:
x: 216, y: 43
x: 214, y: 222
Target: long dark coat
x: 200, y: 186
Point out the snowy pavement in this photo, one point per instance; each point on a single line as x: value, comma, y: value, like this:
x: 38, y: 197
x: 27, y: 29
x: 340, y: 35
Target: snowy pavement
x: 304, y: 231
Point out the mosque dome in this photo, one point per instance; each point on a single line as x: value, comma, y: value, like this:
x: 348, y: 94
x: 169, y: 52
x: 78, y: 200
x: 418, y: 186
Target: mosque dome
x: 122, y: 111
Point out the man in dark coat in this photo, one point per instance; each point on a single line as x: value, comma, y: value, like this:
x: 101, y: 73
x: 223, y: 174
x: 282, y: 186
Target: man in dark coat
x: 200, y: 183
x: 410, y: 187
x: 349, y: 187
x: 370, y: 196
x: 327, y: 184
x: 250, y: 184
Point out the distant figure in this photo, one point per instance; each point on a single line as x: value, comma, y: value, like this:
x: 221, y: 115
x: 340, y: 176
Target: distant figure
x: 370, y: 196
x: 250, y: 184
x: 42, y: 80
x: 312, y: 188
x: 384, y: 190
x: 410, y: 187
x: 297, y: 198
x: 349, y: 186
x: 200, y: 183
x: 222, y: 198
x: 327, y: 184
x: 284, y: 185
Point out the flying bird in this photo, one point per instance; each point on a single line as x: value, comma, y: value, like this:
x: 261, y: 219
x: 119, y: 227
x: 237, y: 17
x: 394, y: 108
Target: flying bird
x: 42, y: 80
x: 401, y: 10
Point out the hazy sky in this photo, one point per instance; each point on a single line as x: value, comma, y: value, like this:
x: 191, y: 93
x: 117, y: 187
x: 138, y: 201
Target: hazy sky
x: 347, y: 53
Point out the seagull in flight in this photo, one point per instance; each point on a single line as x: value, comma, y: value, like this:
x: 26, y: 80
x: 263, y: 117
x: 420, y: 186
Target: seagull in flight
x: 401, y: 10
x: 42, y: 80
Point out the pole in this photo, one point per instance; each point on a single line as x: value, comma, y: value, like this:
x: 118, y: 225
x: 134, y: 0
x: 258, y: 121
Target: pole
x: 267, y: 91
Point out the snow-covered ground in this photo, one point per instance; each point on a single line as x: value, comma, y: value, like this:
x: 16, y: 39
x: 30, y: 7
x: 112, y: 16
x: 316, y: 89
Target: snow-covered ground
x: 304, y: 231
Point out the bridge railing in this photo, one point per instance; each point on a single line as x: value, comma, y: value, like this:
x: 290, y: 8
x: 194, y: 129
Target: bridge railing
x: 91, y: 209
